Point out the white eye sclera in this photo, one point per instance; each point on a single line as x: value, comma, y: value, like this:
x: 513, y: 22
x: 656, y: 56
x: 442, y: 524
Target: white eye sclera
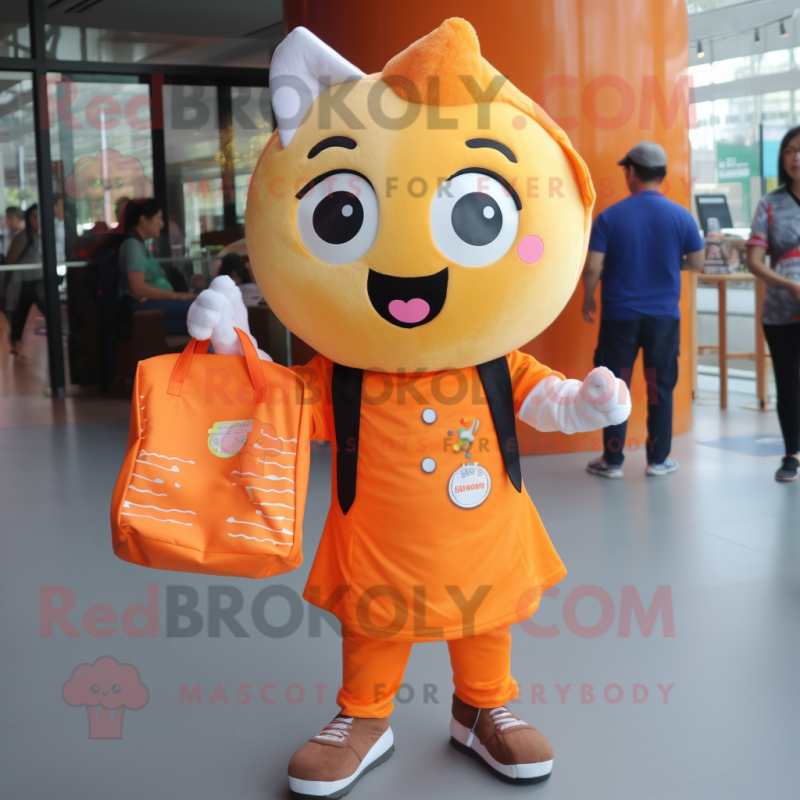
x: 338, y: 218
x: 474, y: 219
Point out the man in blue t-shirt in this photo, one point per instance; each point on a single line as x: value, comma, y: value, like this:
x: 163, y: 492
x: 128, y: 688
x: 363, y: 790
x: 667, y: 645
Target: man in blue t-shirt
x: 639, y: 247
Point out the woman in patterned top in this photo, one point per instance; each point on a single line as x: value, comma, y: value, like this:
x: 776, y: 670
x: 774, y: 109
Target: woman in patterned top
x: 776, y: 230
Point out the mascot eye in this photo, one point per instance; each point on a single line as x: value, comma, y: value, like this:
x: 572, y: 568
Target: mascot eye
x: 337, y: 217
x: 474, y: 218
x: 116, y: 688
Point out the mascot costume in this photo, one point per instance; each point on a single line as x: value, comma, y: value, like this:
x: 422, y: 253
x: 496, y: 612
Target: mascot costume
x: 416, y: 227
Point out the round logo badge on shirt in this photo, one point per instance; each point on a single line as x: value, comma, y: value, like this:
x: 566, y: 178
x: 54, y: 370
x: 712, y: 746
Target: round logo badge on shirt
x: 469, y: 485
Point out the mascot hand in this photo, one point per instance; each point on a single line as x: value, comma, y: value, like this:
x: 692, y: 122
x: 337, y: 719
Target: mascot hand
x: 575, y: 407
x: 607, y: 395
x: 216, y: 313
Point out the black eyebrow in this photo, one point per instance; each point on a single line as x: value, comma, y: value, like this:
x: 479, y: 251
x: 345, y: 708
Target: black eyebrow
x: 499, y: 178
x: 474, y: 144
x: 320, y: 178
x: 332, y: 141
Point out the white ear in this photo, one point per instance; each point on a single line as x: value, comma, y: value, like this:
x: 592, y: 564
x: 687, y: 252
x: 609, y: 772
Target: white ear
x: 302, y: 68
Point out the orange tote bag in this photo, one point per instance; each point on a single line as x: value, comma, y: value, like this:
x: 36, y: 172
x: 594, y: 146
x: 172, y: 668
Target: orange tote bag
x: 216, y: 468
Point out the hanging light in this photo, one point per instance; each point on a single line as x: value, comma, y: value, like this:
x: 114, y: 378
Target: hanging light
x: 700, y: 51
x: 758, y: 37
x: 783, y: 30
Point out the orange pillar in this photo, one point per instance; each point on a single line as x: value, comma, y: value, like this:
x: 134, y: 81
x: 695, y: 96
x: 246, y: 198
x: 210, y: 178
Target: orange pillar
x: 610, y: 72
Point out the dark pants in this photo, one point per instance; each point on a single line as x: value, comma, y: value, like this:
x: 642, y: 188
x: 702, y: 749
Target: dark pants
x: 617, y: 348
x: 30, y: 292
x: 784, y: 345
x: 175, y: 312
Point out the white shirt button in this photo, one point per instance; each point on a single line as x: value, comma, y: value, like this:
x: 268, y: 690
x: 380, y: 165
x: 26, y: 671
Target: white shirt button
x: 429, y: 416
x: 428, y: 465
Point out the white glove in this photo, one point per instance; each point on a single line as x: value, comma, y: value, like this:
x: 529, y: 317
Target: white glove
x: 574, y: 407
x: 214, y: 315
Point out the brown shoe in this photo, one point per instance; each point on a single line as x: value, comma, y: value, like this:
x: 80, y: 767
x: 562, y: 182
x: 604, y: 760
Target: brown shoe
x: 513, y: 750
x: 331, y: 763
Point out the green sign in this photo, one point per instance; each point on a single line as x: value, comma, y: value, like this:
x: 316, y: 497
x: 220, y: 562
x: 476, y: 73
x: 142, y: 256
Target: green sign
x: 737, y: 163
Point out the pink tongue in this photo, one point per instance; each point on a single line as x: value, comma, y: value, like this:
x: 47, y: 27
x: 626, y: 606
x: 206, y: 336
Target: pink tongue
x: 414, y: 310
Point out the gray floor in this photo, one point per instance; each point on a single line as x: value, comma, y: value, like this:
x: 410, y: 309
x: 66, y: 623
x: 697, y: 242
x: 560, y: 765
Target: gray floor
x: 720, y: 533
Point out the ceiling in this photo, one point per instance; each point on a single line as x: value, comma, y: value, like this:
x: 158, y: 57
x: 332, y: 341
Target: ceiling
x: 231, y: 18
x: 728, y: 31
x: 241, y: 33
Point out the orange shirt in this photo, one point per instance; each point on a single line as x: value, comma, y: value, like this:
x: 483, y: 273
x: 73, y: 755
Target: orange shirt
x: 438, y: 543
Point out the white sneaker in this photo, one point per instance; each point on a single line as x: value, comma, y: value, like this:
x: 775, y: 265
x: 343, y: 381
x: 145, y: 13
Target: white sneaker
x: 600, y: 467
x: 669, y: 466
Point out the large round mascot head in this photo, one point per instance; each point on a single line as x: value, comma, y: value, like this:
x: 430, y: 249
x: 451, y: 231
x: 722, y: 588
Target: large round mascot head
x: 426, y: 218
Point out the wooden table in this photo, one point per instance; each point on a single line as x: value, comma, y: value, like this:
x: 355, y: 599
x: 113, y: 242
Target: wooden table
x: 760, y: 354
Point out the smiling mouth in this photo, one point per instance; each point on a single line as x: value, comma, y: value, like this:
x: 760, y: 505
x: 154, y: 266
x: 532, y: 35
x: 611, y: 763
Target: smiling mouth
x: 407, y: 302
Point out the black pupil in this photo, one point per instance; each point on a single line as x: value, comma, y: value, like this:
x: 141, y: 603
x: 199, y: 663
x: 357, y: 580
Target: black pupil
x: 476, y: 218
x: 338, y: 217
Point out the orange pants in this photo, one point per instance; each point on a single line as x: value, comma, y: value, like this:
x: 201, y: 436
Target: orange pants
x: 373, y: 671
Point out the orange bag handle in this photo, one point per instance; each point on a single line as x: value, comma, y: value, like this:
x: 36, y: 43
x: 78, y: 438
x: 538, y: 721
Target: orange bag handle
x: 181, y: 368
x: 253, y: 367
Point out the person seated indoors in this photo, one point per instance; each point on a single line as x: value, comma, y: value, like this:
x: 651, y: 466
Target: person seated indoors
x: 236, y: 269
x: 143, y: 278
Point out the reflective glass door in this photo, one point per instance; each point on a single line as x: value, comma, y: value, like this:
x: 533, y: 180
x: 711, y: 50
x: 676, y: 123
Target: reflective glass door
x: 196, y: 192
x: 21, y: 293
x: 102, y: 154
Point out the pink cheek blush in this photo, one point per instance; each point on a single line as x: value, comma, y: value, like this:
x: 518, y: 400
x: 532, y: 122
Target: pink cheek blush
x: 530, y: 249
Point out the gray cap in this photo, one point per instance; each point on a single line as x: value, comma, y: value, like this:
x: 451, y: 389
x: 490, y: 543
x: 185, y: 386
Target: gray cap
x: 645, y: 154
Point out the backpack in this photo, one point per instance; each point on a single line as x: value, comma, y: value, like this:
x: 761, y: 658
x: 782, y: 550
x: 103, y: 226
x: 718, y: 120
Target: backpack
x: 103, y: 280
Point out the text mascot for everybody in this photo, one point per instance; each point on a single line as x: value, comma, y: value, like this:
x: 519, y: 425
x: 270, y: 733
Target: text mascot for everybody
x: 416, y: 227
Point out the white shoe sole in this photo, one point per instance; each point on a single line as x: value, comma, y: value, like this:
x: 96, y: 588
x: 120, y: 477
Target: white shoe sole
x: 379, y: 752
x: 660, y: 474
x: 602, y: 474
x: 511, y: 773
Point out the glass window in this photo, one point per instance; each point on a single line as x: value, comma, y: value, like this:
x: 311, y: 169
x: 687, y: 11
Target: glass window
x: 776, y: 107
x: 732, y: 69
x: 701, y: 137
x: 252, y: 127
x: 101, y: 148
x: 736, y: 120
x: 102, y: 155
x: 21, y: 277
x: 696, y: 6
x: 773, y: 61
x: 701, y: 74
x: 725, y: 152
x: 195, y: 190
x: 18, y: 186
x: 15, y: 37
